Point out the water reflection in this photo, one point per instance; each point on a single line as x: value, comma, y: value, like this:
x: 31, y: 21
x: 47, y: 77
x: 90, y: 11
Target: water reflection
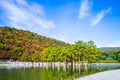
x: 53, y: 72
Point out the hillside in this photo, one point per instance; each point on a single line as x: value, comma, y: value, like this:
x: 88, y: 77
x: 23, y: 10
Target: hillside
x: 14, y: 43
x: 110, y: 49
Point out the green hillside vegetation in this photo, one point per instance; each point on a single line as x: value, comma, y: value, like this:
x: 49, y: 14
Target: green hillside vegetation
x: 110, y: 54
x: 27, y: 46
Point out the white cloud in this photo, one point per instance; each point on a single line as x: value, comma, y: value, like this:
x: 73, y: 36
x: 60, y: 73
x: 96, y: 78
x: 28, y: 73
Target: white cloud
x: 99, y: 17
x: 84, y: 9
x: 115, y: 44
x: 23, y: 14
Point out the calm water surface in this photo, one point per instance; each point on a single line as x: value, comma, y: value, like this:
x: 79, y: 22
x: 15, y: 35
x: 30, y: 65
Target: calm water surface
x: 57, y: 73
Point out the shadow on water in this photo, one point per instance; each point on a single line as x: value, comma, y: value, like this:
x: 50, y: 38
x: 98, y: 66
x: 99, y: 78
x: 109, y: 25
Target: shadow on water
x: 53, y: 73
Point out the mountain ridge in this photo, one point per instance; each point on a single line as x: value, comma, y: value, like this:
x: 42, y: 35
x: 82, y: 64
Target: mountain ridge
x: 104, y: 49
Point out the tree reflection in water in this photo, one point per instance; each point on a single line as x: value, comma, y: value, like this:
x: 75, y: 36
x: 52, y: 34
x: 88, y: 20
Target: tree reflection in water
x: 51, y: 73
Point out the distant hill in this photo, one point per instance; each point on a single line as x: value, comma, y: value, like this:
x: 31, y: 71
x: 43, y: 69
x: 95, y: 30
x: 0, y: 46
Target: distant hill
x: 15, y: 42
x: 105, y: 49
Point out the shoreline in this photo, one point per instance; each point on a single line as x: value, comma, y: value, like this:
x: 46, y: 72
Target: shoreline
x: 105, y: 75
x: 19, y: 64
x: 47, y: 64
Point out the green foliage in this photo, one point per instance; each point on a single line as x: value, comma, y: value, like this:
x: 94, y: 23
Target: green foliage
x: 26, y: 57
x: 118, y: 57
x: 92, y: 53
x: 111, y: 57
x: 1, y: 46
x: 112, y: 53
x: 17, y: 50
x: 108, y: 61
x: 35, y: 56
x: 50, y: 54
x: 103, y: 57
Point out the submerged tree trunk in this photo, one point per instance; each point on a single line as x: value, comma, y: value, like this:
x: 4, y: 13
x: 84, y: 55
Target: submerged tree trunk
x: 58, y: 66
x: 79, y: 58
x: 51, y: 64
x: 86, y: 66
x: 66, y: 64
x: 79, y: 68
x: 72, y: 65
x: 90, y: 65
x: 98, y: 66
x: 54, y: 64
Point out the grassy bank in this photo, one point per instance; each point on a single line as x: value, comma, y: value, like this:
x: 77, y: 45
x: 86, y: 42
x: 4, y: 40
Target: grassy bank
x: 108, y: 61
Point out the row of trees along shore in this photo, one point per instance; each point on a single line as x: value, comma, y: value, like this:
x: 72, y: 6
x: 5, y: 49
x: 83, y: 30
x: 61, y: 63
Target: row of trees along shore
x: 78, y: 52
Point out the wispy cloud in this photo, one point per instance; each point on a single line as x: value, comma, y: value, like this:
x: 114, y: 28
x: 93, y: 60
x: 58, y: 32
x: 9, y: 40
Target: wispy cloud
x: 20, y: 13
x: 85, y: 7
x: 100, y: 16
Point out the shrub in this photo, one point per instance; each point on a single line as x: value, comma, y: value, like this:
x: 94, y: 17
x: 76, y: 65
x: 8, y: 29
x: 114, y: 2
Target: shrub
x: 108, y: 61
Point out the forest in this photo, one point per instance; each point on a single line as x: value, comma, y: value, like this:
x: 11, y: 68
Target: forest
x: 17, y: 44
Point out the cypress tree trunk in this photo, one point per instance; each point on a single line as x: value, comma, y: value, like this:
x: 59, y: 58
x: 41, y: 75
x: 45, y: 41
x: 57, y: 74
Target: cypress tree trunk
x: 51, y: 64
x: 79, y: 58
x: 79, y: 68
x: 66, y: 64
x: 90, y: 65
x: 71, y: 66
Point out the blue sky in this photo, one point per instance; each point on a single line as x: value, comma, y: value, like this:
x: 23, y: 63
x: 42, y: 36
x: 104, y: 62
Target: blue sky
x: 66, y: 20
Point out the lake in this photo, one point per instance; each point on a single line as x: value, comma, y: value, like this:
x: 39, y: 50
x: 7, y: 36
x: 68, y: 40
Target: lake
x: 52, y: 73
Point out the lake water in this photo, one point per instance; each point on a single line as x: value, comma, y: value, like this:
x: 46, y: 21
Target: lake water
x: 50, y: 73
